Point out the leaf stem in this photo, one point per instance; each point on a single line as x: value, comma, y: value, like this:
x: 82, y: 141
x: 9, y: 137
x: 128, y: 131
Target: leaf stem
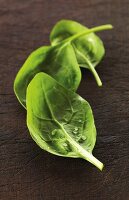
x: 94, y: 72
x: 82, y: 152
x: 95, y: 29
x: 91, y: 67
x: 88, y: 156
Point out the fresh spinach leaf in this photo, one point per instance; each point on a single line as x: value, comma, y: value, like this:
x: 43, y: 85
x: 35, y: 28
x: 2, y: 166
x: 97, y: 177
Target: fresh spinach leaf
x: 58, y: 61
x: 89, y: 47
x: 59, y: 120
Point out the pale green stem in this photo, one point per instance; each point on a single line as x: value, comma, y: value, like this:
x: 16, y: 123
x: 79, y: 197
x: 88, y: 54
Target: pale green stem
x: 82, y: 152
x: 90, y: 67
x: 95, y: 74
x: 95, y: 29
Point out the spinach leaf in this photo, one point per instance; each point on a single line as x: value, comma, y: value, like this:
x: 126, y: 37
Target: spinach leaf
x: 58, y: 61
x: 59, y: 120
x: 89, y: 48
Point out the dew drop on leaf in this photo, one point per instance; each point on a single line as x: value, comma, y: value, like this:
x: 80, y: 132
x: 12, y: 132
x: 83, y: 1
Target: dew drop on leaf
x: 54, y: 132
x: 75, y: 132
x: 83, y: 137
x: 65, y: 145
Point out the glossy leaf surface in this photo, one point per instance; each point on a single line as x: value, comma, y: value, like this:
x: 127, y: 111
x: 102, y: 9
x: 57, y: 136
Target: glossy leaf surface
x: 59, y: 120
x: 58, y: 61
x: 89, y: 48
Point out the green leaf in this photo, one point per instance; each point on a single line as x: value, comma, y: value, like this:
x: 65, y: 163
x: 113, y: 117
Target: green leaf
x: 59, y: 120
x: 58, y: 61
x: 89, y: 47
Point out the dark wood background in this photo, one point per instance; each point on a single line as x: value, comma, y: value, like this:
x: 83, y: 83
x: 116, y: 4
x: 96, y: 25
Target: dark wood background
x: 26, y: 171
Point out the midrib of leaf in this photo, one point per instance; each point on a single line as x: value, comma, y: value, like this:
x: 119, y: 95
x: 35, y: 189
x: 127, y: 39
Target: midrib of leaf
x: 92, y: 30
x: 91, y: 67
x: 60, y: 50
x: 80, y: 151
x: 73, y: 37
x: 66, y: 98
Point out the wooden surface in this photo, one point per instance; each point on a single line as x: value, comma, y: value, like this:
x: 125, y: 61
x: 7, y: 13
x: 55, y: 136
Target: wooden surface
x: 26, y: 171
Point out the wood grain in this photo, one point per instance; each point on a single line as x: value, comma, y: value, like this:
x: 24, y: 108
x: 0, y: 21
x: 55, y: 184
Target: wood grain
x: 27, y: 172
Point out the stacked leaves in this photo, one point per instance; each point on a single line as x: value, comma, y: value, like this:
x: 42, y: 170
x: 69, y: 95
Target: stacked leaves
x: 59, y: 120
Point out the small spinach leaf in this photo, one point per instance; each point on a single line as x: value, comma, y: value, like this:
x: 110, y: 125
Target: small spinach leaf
x: 89, y: 48
x: 59, y: 120
x: 58, y: 61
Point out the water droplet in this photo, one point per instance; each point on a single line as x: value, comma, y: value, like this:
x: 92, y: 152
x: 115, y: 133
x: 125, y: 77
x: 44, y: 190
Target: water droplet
x: 54, y: 132
x: 65, y: 145
x: 83, y: 137
x: 78, y: 137
x: 75, y: 132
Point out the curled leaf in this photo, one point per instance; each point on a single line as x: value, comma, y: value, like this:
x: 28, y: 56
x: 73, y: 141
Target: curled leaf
x: 89, y: 47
